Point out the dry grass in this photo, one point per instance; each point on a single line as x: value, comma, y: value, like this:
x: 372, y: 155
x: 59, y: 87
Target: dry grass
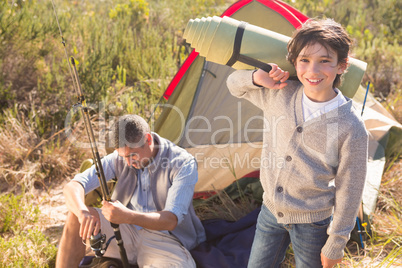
x: 221, y: 206
x: 385, y: 247
x: 29, y: 161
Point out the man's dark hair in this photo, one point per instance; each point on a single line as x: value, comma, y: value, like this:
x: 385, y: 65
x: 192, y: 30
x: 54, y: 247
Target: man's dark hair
x: 129, y: 131
x: 327, y: 33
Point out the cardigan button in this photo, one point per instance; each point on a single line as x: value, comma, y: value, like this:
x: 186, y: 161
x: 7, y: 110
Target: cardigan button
x: 279, y: 189
x: 280, y: 214
x: 288, y: 158
x: 299, y: 129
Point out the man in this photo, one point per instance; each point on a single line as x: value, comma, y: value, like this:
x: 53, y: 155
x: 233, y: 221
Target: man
x: 152, y: 201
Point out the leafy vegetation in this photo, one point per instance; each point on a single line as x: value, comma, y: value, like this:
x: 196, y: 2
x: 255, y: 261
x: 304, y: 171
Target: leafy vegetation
x: 21, y: 241
x: 127, y: 51
x: 30, y: 248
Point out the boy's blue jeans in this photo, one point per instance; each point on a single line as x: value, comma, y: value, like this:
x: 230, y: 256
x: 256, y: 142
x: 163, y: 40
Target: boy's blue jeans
x: 272, y: 239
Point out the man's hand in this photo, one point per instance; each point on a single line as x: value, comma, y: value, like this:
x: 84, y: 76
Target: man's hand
x: 329, y: 263
x: 275, y: 79
x: 115, y: 212
x: 90, y: 223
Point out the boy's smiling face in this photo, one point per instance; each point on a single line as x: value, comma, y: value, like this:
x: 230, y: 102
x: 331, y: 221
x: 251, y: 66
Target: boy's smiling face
x: 316, y: 68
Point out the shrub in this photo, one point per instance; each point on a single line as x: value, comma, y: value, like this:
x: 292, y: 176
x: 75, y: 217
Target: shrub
x: 16, y: 213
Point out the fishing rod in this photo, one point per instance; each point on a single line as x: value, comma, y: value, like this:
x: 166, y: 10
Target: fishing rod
x: 96, y: 241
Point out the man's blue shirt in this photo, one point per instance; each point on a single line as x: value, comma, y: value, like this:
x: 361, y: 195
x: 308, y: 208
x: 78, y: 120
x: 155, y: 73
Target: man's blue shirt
x: 179, y: 195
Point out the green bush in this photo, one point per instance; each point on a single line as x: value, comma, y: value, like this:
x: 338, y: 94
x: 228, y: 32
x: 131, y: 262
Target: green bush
x: 16, y: 213
x: 21, y: 241
x: 29, y: 248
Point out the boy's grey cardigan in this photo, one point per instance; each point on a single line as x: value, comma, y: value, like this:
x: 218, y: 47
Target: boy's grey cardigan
x: 320, y: 164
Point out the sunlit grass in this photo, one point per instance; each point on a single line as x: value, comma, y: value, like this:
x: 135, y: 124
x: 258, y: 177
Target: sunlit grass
x: 21, y: 241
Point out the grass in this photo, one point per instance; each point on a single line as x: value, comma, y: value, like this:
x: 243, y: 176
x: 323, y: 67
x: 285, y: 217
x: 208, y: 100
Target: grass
x: 222, y: 206
x: 27, y: 161
x: 22, y: 243
x: 30, y: 248
x: 127, y: 53
x: 384, y: 247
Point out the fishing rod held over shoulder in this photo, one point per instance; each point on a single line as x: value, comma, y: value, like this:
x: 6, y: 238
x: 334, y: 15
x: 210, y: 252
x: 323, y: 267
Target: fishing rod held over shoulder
x: 99, y: 239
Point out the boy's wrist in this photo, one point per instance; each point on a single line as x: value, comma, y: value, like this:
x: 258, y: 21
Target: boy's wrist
x: 252, y: 78
x: 334, y: 247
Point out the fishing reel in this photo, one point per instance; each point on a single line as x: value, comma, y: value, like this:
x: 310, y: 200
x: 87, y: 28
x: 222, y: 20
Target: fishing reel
x: 96, y: 242
x: 98, y: 245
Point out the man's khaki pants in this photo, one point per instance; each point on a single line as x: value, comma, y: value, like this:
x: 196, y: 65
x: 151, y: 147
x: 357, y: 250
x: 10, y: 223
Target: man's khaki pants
x: 147, y: 248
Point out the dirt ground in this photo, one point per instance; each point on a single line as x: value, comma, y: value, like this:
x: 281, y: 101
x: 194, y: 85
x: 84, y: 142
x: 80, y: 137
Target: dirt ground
x: 53, y: 212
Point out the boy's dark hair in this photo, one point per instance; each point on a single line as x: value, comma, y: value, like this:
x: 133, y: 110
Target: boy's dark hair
x: 129, y: 131
x: 327, y: 33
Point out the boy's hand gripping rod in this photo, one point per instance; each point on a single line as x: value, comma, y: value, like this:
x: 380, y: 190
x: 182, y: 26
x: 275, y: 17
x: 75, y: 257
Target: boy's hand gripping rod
x: 95, y: 153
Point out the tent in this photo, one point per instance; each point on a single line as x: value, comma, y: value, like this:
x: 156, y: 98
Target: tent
x: 225, y: 133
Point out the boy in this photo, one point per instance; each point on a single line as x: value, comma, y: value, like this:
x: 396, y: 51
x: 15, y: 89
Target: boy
x: 313, y: 199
